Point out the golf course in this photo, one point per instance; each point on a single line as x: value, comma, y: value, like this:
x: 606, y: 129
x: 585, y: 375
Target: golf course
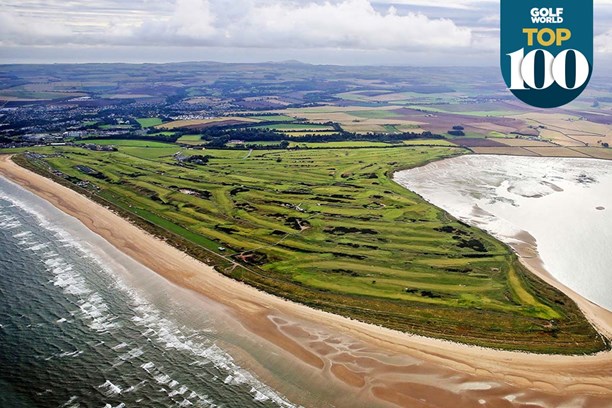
x: 330, y: 229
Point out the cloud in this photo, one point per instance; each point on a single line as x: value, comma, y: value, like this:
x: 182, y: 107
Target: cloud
x: 191, y: 21
x: 347, y: 24
x: 402, y: 30
x: 450, y: 4
x: 603, y: 43
x: 21, y: 30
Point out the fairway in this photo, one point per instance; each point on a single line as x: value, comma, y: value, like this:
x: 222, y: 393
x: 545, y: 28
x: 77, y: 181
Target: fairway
x: 330, y: 229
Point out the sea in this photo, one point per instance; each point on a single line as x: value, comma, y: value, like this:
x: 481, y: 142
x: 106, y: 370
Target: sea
x: 83, y: 325
x: 564, y: 204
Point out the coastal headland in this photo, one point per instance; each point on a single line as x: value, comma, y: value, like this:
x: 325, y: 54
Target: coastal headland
x: 383, y: 365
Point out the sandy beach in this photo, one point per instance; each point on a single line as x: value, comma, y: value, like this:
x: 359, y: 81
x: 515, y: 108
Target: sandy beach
x: 379, y: 365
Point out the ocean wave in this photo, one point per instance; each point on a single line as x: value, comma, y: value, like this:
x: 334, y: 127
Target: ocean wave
x: 37, y: 247
x: 72, y: 402
x: 109, y: 389
x: 132, y: 354
x: 134, y: 388
x: 23, y: 234
x: 120, y: 346
x: 91, y: 304
x: 65, y: 275
x: 172, y: 336
x: 162, y: 331
x: 9, y: 223
x: 161, y: 378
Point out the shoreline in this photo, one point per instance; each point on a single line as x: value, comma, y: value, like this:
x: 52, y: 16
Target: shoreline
x: 525, y: 246
x: 439, y: 369
x: 528, y: 255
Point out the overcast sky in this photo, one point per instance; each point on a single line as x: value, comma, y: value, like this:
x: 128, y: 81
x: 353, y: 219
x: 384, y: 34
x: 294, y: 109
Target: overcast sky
x: 400, y: 32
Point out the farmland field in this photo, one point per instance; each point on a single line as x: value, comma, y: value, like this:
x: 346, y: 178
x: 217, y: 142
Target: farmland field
x: 149, y: 122
x: 296, y: 127
x: 428, y: 142
x: 115, y: 127
x: 309, y: 133
x: 335, y: 145
x: 517, y: 142
x: 194, y: 123
x: 597, y: 152
x: 330, y: 229
x: 508, y: 151
x: 191, y: 140
x: 272, y: 118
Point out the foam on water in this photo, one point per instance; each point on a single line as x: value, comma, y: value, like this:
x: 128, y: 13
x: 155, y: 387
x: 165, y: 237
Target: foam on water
x: 92, y: 308
x: 110, y: 389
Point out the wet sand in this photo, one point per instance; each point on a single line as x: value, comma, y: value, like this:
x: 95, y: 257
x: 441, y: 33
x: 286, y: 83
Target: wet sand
x: 377, y: 366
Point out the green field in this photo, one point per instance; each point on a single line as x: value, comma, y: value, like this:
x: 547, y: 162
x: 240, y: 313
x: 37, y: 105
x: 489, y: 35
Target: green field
x: 337, y: 145
x: 149, y: 122
x: 263, y: 143
x: 295, y: 134
x: 128, y: 143
x: 461, y: 109
x: 428, y: 142
x: 330, y: 229
x: 295, y: 127
x: 191, y: 140
x: 117, y: 127
x: 273, y: 118
x: 376, y: 114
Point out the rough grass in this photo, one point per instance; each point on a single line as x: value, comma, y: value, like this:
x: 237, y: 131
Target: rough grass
x: 330, y: 229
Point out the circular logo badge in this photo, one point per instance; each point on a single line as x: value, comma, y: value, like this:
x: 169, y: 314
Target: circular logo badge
x: 546, y: 49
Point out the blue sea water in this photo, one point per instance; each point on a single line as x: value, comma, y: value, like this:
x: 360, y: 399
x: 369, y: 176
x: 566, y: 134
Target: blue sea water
x: 75, y: 331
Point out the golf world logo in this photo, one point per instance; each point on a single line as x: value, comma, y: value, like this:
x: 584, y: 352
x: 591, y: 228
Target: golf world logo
x: 547, y: 49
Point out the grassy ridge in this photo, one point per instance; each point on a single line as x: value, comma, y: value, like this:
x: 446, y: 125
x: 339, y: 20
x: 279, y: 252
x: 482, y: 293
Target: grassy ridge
x: 329, y: 228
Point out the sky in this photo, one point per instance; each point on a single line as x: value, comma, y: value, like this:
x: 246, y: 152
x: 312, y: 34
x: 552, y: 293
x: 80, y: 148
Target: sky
x: 346, y: 32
